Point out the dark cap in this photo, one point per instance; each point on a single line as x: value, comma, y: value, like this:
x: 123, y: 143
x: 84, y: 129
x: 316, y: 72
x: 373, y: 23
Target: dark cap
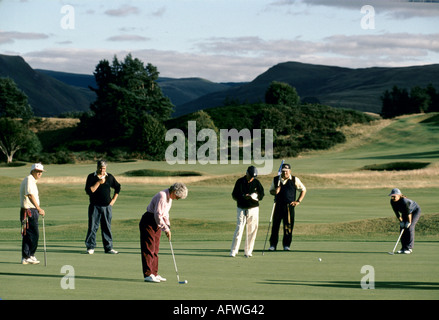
x: 286, y: 166
x: 252, y: 171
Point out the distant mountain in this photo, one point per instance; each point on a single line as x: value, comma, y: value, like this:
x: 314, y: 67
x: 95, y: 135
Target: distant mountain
x: 52, y: 93
x: 358, y: 89
x: 184, y: 90
x: 47, y: 96
x: 180, y: 91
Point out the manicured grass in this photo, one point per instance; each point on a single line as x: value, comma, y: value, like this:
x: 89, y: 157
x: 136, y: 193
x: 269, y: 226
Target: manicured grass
x: 212, y: 275
x: 345, y: 219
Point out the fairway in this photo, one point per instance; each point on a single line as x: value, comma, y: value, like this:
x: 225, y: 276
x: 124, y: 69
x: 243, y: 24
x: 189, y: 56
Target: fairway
x: 345, y: 220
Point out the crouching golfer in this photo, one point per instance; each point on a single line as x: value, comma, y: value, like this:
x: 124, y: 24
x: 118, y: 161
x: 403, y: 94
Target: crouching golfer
x: 29, y: 212
x: 247, y: 192
x: 153, y: 222
x: 407, y: 212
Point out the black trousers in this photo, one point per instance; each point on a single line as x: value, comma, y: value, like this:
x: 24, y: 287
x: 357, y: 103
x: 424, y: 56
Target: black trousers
x: 30, y: 232
x: 282, y: 213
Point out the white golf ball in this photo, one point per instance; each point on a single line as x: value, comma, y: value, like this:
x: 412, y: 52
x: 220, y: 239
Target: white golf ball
x: 320, y: 259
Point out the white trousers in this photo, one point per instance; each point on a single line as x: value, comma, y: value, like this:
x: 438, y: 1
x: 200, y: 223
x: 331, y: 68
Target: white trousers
x: 249, y: 217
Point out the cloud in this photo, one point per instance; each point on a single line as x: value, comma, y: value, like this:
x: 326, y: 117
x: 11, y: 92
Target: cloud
x: 128, y: 37
x: 122, y: 11
x: 244, y: 58
x: 395, y: 44
x: 160, y: 12
x: 398, y: 9
x: 11, y: 36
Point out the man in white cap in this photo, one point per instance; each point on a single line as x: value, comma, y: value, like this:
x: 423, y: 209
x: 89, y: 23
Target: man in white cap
x: 407, y: 212
x: 29, y: 212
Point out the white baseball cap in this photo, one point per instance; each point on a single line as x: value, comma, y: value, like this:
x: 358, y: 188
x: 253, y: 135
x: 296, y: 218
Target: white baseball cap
x: 37, y: 166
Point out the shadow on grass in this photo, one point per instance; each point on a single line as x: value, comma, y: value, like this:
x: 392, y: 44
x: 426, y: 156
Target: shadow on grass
x: 407, y: 285
x: 58, y: 276
x: 414, y: 155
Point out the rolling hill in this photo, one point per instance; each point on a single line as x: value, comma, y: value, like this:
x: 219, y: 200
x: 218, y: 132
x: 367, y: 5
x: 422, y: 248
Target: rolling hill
x: 52, y: 93
x: 47, y: 96
x: 358, y: 89
x: 180, y: 91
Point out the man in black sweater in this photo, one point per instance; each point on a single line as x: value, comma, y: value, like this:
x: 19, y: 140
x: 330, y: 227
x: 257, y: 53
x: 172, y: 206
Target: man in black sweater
x: 247, y: 193
x: 98, y: 187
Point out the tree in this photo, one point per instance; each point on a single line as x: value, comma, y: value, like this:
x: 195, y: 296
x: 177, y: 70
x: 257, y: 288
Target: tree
x: 148, y: 137
x: 126, y: 91
x: 433, y: 98
x: 420, y: 99
x: 281, y: 93
x: 396, y: 103
x: 15, y: 136
x: 13, y: 102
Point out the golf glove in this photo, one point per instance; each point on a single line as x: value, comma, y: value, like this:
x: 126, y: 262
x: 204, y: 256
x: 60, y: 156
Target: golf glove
x: 402, y: 224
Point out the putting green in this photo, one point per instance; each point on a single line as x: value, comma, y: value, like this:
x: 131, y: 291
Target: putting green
x: 213, y: 275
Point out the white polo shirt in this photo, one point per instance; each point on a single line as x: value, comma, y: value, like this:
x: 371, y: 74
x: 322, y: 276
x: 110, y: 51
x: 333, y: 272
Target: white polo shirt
x: 28, y: 186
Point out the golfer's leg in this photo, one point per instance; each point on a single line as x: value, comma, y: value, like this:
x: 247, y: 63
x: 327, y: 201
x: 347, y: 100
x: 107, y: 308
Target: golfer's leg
x: 411, y: 229
x: 93, y: 225
x: 155, y: 262
x: 252, y: 230
x: 240, y: 223
x: 147, y: 248
x: 277, y: 218
x: 34, y: 231
x: 288, y: 226
x: 107, y: 237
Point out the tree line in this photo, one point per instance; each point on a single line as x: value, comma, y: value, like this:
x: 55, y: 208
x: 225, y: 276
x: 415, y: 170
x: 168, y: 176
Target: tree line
x: 399, y: 101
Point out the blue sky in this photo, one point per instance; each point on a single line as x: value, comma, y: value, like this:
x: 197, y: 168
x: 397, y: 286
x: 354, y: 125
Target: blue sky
x: 219, y: 40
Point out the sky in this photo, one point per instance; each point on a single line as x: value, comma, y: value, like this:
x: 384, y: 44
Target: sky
x: 220, y: 40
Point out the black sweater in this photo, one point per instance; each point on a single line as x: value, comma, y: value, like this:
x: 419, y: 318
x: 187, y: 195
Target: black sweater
x: 242, y: 188
x: 101, y: 197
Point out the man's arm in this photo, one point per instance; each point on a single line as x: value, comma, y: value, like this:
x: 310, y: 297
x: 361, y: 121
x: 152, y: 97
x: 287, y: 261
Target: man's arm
x: 33, y: 200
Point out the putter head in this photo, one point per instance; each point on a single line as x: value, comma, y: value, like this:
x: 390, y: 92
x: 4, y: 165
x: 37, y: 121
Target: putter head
x: 182, y: 282
x: 391, y: 253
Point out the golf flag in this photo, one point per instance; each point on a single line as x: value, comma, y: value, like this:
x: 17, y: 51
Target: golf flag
x: 280, y: 169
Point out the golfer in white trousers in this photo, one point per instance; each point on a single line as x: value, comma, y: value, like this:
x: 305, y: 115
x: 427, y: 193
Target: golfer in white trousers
x: 247, y: 193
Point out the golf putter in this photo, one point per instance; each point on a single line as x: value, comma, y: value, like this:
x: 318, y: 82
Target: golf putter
x: 399, y: 238
x: 44, y: 241
x: 175, y: 265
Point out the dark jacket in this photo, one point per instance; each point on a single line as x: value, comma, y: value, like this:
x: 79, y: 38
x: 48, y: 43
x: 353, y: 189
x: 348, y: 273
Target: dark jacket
x: 242, y: 188
x: 404, y: 206
x: 101, y: 197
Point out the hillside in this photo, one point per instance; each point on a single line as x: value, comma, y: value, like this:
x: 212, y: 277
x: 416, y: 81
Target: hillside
x: 180, y: 91
x: 51, y: 93
x: 47, y: 96
x: 358, y: 89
